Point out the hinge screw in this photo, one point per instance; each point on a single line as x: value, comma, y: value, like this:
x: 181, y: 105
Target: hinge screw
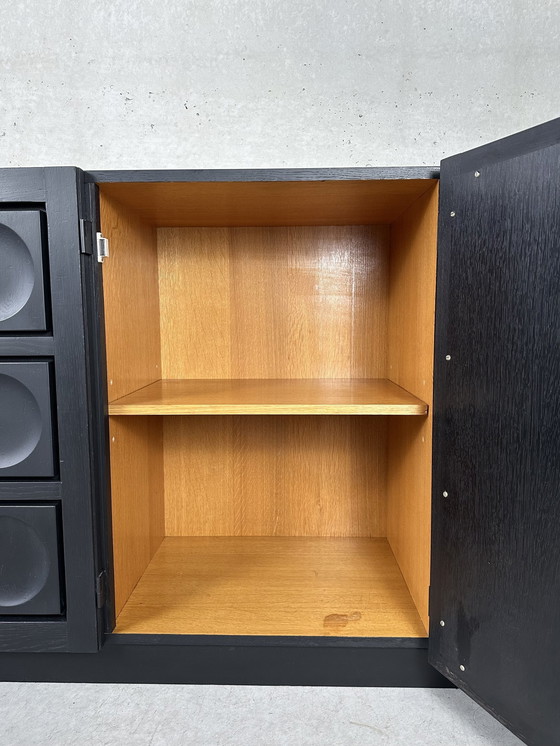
x: 476, y: 174
x: 448, y: 357
x: 442, y: 623
x: 445, y: 493
x: 462, y: 667
x: 452, y: 213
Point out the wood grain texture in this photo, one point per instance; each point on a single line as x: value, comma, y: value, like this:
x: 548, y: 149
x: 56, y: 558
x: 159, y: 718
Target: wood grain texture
x: 275, y: 476
x: 352, y: 173
x: 32, y: 637
x: 33, y: 491
x: 272, y: 586
x: 14, y: 346
x: 261, y: 319
x: 376, y: 396
x: 304, y: 302
x: 21, y: 185
x: 137, y: 498
x: 495, y: 552
x: 268, y: 203
x: 69, y: 272
x: 411, y: 352
x: 131, y: 295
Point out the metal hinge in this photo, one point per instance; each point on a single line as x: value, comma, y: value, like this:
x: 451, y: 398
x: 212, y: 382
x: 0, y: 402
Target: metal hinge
x: 87, y: 241
x: 101, y: 589
x: 102, y: 245
x: 86, y: 236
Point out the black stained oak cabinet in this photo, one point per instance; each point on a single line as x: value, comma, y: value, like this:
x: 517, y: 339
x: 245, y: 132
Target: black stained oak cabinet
x: 298, y: 427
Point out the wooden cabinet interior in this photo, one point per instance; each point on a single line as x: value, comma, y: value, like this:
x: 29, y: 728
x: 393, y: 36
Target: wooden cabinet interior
x: 270, y: 396
x: 308, y: 502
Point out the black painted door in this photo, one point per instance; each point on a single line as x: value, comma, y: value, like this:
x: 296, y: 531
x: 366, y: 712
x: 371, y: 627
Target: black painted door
x: 495, y: 586
x: 50, y: 532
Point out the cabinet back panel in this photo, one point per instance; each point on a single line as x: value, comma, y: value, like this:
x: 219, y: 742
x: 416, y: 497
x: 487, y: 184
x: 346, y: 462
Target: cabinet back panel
x: 291, y: 302
x: 275, y: 476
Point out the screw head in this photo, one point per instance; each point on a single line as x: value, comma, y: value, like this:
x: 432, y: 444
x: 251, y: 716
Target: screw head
x: 462, y: 667
x: 445, y: 493
x: 452, y: 213
x: 442, y: 623
x: 476, y: 174
x: 448, y: 357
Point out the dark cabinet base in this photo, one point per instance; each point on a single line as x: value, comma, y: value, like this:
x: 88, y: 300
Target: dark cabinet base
x: 271, y: 665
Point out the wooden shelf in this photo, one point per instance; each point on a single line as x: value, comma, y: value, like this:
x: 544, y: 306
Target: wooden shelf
x: 270, y: 396
x: 340, y: 587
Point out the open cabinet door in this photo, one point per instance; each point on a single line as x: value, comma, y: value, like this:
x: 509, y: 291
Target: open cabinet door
x: 51, y: 593
x: 495, y: 583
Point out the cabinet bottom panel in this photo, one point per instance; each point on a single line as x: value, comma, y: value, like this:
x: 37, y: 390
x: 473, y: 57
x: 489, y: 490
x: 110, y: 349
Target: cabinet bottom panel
x: 232, y: 664
x: 300, y: 586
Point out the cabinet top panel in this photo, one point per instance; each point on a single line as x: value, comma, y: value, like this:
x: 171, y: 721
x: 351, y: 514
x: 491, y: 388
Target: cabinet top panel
x: 277, y: 202
x: 263, y: 174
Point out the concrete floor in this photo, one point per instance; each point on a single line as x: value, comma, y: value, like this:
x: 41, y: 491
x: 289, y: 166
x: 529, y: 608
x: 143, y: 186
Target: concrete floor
x: 156, y: 715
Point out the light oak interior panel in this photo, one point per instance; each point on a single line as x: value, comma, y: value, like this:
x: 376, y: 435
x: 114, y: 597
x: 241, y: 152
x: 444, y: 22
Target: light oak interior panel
x: 376, y: 396
x: 137, y: 498
x: 131, y: 298
x: 412, y: 283
x: 334, y: 297
x: 272, y: 586
x: 298, y: 302
x: 343, y: 202
x: 275, y: 476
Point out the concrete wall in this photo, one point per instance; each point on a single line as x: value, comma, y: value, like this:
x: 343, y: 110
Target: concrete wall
x: 254, y: 83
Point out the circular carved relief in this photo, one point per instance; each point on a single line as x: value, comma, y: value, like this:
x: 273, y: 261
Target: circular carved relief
x: 24, y: 561
x: 20, y: 422
x: 17, y: 273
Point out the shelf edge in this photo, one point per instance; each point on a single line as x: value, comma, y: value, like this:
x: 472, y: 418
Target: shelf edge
x: 303, y: 409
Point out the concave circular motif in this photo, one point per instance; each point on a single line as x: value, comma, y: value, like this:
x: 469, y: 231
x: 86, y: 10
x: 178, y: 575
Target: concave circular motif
x: 20, y: 422
x: 24, y: 562
x: 17, y: 273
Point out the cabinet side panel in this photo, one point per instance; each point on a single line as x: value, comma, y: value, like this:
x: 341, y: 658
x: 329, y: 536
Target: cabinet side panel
x: 275, y: 476
x: 137, y: 505
x: 130, y: 288
x: 285, y: 302
x: 411, y: 352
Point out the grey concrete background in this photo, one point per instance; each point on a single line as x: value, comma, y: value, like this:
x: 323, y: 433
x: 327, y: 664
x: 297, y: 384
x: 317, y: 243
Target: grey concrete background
x: 256, y: 83
x: 151, y: 715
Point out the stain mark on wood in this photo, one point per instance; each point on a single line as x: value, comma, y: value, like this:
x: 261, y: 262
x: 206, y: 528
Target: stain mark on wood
x: 341, y: 620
